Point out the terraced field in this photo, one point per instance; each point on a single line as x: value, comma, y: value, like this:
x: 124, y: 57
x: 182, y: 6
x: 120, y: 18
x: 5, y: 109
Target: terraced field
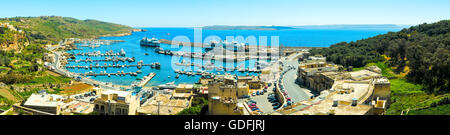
x: 5, y: 93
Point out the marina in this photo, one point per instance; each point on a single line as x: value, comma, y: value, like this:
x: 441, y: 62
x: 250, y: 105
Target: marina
x: 103, y: 63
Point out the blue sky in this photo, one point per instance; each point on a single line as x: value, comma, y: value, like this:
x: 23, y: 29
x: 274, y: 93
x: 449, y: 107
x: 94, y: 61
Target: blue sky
x: 190, y: 13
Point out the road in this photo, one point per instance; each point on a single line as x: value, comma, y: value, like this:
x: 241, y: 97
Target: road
x: 293, y: 90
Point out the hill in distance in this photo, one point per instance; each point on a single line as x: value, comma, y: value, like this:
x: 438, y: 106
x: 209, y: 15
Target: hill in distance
x: 354, y: 26
x: 55, y: 28
x: 225, y: 27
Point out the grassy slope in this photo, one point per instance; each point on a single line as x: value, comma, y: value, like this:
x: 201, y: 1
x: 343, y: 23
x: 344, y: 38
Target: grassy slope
x: 408, y: 96
x: 439, y: 110
x: 58, y: 28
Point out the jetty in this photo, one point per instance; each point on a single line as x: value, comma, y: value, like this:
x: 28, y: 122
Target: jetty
x: 100, y: 54
x: 213, y: 55
x: 107, y: 66
x: 107, y: 59
x: 144, y: 80
x: 119, y: 73
x: 97, y: 41
x: 140, y: 64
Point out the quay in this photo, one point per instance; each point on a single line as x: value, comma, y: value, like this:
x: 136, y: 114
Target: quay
x: 213, y: 55
x: 119, y: 73
x: 140, y: 64
x: 107, y: 66
x: 99, y: 54
x: 107, y: 59
x: 97, y: 41
x: 145, y: 80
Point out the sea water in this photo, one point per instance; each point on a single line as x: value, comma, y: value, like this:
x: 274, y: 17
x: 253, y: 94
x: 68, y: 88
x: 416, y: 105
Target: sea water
x: 287, y: 37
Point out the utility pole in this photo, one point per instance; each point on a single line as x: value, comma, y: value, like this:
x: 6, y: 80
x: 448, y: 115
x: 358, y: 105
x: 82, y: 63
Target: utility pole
x: 159, y: 103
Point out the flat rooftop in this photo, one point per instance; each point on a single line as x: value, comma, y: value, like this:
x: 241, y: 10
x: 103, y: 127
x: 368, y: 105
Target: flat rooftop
x: 363, y: 74
x: 181, y: 95
x: 78, y: 107
x: 185, y: 86
x: 356, y: 90
x: 119, y: 93
x: 44, y: 100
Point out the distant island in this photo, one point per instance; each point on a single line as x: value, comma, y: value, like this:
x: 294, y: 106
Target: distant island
x: 336, y: 26
x: 353, y: 26
x: 225, y: 27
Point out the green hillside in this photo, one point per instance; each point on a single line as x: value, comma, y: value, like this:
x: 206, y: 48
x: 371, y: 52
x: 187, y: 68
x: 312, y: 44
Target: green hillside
x: 53, y: 28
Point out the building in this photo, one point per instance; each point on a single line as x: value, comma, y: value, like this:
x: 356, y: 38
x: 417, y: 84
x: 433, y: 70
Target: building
x: 243, y: 89
x: 323, y: 80
x: 165, y: 104
x: 254, y: 82
x: 49, y: 103
x: 48, y: 57
x: 184, y: 88
x: 381, y: 95
x: 316, y: 74
x: 77, y: 107
x: 223, y: 94
x: 113, y: 102
x: 363, y: 92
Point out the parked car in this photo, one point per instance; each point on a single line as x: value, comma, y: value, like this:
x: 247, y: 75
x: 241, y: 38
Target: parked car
x: 275, y: 104
x: 273, y: 100
x: 276, y: 107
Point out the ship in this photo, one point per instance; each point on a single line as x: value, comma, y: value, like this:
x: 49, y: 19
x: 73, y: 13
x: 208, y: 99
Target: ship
x: 150, y: 42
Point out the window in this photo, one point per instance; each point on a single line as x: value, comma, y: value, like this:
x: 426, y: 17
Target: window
x: 119, y: 111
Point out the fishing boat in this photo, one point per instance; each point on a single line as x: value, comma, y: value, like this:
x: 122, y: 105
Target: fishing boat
x: 156, y: 65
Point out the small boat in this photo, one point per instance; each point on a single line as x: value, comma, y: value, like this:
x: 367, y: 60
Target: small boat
x: 178, y: 76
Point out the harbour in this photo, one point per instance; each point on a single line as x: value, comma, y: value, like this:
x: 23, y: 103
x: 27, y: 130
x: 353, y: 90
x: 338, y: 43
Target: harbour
x: 178, y: 64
